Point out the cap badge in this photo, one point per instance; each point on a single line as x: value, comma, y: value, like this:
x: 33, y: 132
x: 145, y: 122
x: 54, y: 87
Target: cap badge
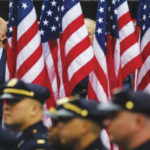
x: 12, y: 82
x: 129, y: 105
x: 53, y: 110
x: 67, y: 99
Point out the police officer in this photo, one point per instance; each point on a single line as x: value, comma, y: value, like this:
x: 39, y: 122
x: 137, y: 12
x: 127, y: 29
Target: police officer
x: 129, y: 119
x: 3, y: 39
x: 22, y: 113
x: 79, y: 122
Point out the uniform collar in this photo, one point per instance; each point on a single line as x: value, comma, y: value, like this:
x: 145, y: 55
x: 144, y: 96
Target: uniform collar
x: 33, y: 128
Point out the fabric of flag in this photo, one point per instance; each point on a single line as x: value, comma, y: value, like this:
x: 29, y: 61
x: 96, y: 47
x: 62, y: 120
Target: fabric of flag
x: 143, y: 32
x: 98, y: 79
x: 66, y: 46
x: 24, y: 50
x: 116, y: 48
x: 25, y: 59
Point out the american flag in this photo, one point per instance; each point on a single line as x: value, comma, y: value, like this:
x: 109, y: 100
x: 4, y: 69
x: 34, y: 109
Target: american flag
x: 98, y: 80
x: 24, y: 50
x: 143, y: 31
x: 66, y: 46
x: 116, y: 48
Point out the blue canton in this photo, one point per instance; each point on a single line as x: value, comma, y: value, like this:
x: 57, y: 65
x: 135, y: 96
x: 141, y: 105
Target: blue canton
x: 51, y: 17
x: 144, y: 16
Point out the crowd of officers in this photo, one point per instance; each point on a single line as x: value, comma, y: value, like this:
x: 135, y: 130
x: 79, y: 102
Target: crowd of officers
x: 77, y: 122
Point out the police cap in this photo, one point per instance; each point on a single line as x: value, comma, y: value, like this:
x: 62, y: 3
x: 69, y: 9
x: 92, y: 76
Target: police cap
x: 16, y: 89
x: 78, y: 108
x: 136, y: 101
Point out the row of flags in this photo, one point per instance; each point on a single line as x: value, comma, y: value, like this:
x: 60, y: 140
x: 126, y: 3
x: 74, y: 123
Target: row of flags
x: 116, y: 48
x: 57, y: 52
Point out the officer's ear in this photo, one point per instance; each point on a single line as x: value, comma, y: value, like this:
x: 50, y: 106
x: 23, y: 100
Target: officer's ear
x: 36, y: 108
x: 141, y: 120
x: 87, y: 126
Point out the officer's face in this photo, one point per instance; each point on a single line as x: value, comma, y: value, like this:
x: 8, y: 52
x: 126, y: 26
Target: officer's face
x: 54, y: 134
x: 71, y: 131
x: 16, y: 113
x: 122, y: 125
x: 3, y: 29
x: 91, y: 29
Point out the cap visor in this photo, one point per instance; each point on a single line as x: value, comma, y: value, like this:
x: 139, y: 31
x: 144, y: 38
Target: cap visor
x: 7, y: 96
x: 59, y: 114
x: 107, y: 107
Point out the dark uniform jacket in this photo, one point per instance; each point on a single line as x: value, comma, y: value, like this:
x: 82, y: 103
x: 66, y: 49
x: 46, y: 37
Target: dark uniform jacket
x: 33, y: 138
x: 96, y: 145
x: 145, y: 146
x: 6, y: 140
x: 2, y: 76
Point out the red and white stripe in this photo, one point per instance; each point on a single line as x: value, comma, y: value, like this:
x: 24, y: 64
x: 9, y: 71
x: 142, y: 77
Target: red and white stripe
x: 130, y: 57
x: 70, y: 58
x: 24, y: 51
x: 98, y: 79
x: 143, y: 79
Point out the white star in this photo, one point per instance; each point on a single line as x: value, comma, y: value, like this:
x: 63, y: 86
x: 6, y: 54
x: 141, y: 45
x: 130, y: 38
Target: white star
x: 143, y: 27
x: 144, y: 17
x: 49, y: 13
x: 45, y: 22
x: 56, y: 18
x: 53, y: 3
x: 113, y: 2
x: 101, y: 9
x: 41, y: 32
x: 62, y: 8
x: 144, y: 7
x: 53, y: 28
x: 100, y: 20
x: 99, y: 30
x: 10, y: 4
x: 114, y: 26
x: 10, y: 29
x: 102, y: 1
x: 24, y: 5
x: 43, y: 7
x: 115, y: 11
